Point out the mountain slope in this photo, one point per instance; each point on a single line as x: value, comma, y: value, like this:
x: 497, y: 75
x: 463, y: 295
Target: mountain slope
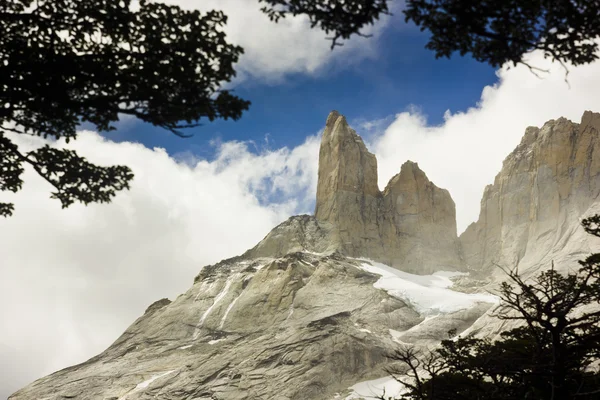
x: 303, y: 326
x: 315, y: 306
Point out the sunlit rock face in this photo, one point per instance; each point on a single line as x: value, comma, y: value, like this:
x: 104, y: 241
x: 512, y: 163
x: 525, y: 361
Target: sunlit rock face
x: 301, y: 326
x: 411, y: 225
x: 304, y: 315
x: 530, y: 215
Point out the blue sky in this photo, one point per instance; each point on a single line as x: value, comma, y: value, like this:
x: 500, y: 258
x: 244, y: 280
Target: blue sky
x: 402, y: 74
x: 110, y: 261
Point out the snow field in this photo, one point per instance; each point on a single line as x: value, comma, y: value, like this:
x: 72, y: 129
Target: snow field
x: 427, y: 294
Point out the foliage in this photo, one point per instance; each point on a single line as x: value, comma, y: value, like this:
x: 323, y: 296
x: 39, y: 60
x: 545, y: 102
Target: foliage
x: 67, y: 62
x: 342, y: 18
x: 552, y: 354
x: 502, y: 31
x: 496, y: 32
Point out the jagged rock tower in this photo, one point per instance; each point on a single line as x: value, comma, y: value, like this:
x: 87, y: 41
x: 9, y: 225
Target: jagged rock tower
x: 299, y: 317
x: 411, y: 225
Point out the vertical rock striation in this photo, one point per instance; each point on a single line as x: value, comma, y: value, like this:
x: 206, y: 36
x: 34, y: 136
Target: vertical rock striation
x: 411, y: 225
x: 418, y: 220
x: 530, y: 215
x: 347, y: 194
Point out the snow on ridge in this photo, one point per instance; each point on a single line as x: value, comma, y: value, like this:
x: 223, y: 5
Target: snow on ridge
x: 216, y: 301
x: 427, y: 294
x: 145, y: 384
x: 375, y: 388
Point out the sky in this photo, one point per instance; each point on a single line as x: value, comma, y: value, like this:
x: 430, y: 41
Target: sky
x: 72, y: 280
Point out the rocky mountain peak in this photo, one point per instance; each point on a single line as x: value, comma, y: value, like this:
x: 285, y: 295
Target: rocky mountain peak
x: 410, y: 225
x: 413, y: 194
x: 345, y: 165
x: 590, y: 119
x: 299, y: 317
x: 410, y: 178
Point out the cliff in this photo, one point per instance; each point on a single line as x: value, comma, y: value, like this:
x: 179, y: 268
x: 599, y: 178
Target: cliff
x: 530, y: 216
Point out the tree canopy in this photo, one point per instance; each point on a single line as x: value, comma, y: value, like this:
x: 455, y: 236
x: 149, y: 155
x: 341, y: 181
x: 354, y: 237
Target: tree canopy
x: 68, y: 62
x: 552, y: 354
x: 495, y: 32
x: 503, y: 31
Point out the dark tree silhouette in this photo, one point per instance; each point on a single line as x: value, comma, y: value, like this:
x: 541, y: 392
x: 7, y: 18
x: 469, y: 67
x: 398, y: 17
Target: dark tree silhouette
x: 553, y: 354
x: 67, y: 62
x: 340, y: 18
x: 496, y: 32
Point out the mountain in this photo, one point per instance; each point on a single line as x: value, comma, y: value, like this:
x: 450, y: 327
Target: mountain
x: 410, y: 225
x: 530, y: 215
x: 314, y: 307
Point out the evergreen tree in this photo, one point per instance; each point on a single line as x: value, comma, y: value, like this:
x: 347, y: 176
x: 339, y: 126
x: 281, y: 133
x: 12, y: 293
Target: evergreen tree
x: 553, y: 354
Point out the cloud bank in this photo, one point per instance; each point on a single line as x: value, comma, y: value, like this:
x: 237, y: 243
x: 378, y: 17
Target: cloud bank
x: 72, y: 280
x: 464, y: 153
x: 275, y: 50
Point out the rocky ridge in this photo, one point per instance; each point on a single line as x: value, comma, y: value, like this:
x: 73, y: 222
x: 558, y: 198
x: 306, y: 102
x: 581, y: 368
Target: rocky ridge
x: 302, y: 326
x: 303, y: 314
x: 530, y: 215
x: 411, y: 225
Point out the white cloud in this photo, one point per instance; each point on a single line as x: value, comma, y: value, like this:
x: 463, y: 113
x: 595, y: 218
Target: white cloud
x: 72, y: 280
x: 274, y: 50
x: 464, y: 153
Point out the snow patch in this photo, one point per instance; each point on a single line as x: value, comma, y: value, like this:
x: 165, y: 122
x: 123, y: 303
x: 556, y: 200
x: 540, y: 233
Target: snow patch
x: 216, y: 301
x: 185, y: 347
x: 427, y: 294
x: 229, y: 309
x: 396, y: 337
x: 145, y: 384
x: 211, y: 342
x: 200, y: 290
x: 259, y: 267
x: 375, y: 389
x: 365, y: 330
x: 291, y: 312
x: 306, y: 263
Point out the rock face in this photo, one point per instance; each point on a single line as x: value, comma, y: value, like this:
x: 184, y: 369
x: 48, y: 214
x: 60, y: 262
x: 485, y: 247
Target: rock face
x: 301, y: 326
x: 418, y: 221
x: 530, y: 215
x: 299, y: 233
x: 347, y: 194
x: 411, y: 225
x: 301, y: 316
